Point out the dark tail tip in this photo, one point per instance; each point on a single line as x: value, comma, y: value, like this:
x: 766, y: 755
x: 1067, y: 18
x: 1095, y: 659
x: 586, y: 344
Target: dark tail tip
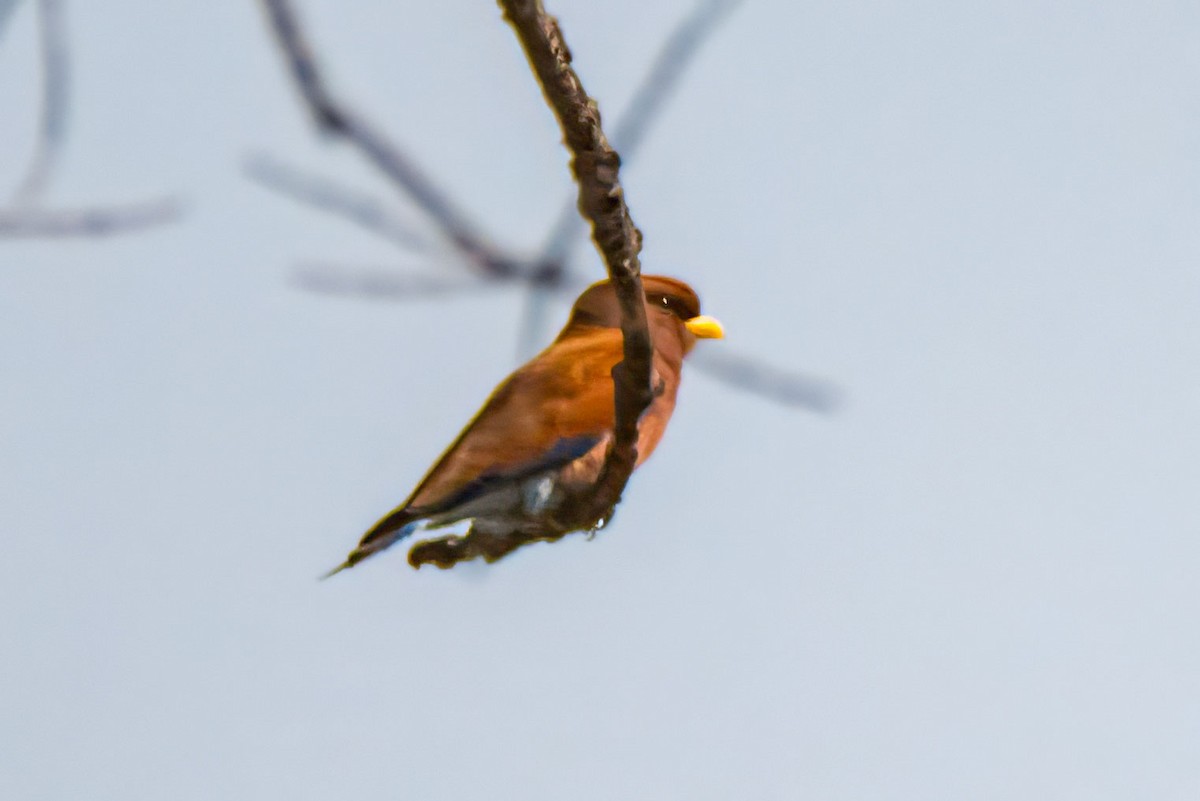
x: 336, y: 570
x: 376, y: 540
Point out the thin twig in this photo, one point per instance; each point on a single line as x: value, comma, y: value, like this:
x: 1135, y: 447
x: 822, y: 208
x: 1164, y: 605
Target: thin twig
x: 23, y: 218
x: 377, y: 283
x: 785, y: 387
x: 7, y: 7
x: 326, y: 195
x: 53, y: 123
x: 99, y: 221
x: 601, y: 200
x: 740, y: 371
x: 533, y: 319
x: 336, y: 118
x: 384, y: 282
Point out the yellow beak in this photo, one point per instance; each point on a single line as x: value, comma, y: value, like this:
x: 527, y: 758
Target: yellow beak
x: 705, y: 327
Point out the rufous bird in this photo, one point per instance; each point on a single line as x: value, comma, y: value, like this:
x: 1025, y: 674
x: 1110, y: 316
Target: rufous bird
x: 543, y: 434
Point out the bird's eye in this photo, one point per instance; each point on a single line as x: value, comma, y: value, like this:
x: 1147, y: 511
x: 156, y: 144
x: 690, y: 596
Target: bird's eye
x: 662, y: 301
x: 670, y: 304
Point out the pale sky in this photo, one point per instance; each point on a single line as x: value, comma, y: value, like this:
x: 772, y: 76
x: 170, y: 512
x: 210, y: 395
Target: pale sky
x: 977, y: 581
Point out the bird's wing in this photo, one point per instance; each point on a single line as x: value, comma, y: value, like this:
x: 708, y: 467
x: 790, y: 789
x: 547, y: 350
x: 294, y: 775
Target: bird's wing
x: 548, y: 413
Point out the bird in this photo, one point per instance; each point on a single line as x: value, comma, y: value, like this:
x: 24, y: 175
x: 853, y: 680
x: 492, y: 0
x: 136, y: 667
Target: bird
x: 542, y: 435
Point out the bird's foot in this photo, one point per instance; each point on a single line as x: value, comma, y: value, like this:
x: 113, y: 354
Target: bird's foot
x: 446, y: 552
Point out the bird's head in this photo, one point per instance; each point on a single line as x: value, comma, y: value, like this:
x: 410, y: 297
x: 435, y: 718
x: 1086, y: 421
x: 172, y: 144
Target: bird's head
x: 672, y: 311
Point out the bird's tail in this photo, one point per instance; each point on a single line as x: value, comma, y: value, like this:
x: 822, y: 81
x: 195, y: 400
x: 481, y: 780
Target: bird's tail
x: 396, y: 526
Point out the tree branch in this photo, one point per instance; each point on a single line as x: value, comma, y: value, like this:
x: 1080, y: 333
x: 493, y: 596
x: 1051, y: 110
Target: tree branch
x: 99, y: 221
x: 336, y: 118
x: 24, y: 217
x: 602, y: 202
x: 339, y: 279
x: 782, y: 386
x: 7, y: 7
x: 326, y: 195
x: 738, y: 370
x: 53, y: 123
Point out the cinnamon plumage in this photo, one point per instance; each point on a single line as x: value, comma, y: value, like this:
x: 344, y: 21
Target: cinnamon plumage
x: 541, y: 438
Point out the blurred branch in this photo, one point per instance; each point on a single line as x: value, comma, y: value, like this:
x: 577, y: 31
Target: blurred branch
x: 669, y: 65
x: 337, y: 119
x: 781, y: 386
x: 365, y: 281
x: 338, y: 279
x: 7, y: 7
x: 24, y: 217
x: 98, y: 221
x: 326, y: 195
x: 739, y: 371
x: 533, y: 318
x: 53, y: 123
